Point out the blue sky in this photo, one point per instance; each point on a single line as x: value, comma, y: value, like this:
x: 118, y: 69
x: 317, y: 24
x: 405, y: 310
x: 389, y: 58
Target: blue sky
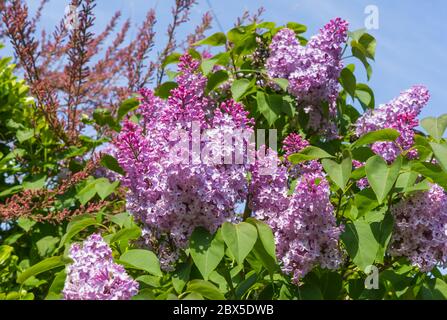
x: 411, y: 36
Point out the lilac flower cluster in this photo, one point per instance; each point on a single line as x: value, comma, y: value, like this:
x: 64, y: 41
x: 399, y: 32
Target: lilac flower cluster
x: 171, y: 189
x: 312, y: 70
x: 94, y: 276
x: 420, y: 229
x: 304, y: 224
x: 399, y: 114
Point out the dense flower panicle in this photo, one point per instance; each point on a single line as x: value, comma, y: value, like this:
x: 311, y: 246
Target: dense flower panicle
x: 312, y: 70
x: 307, y: 233
x: 420, y: 229
x: 170, y: 187
x: 294, y: 143
x: 269, y: 184
x: 94, y: 276
x: 304, y: 225
x: 399, y: 114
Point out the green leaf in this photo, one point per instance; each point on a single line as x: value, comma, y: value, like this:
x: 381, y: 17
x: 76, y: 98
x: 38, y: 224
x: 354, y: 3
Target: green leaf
x: 123, y: 219
x: 360, y: 53
x: 181, y: 276
x: 264, y: 248
x: 365, y: 201
x: 104, y: 188
x: 269, y: 106
x: 152, y: 281
x: 374, y: 136
x: 431, y: 171
x: 360, y: 243
x: 440, y: 152
x: 104, y: 117
x: 282, y: 83
x: 87, y: 192
x: 25, y: 223
x: 365, y: 95
x: 37, y: 183
x: 348, y: 82
x: 435, y: 126
x: 296, y: 27
x: 23, y: 135
x: 126, y: 234
x: 309, y: 153
x: 369, y: 43
x: 215, y: 80
x: 111, y: 163
x: 239, y: 87
x: 142, y: 260
x: 126, y: 106
x: 265, y: 234
x: 16, y: 153
x: 339, y: 172
x: 172, y: 58
x: 246, y: 284
x: 75, y: 226
x: 434, y: 289
x: 206, y: 289
x: 5, y: 253
x: 217, y: 39
x: 164, y: 90
x: 240, y: 238
x: 206, y: 250
x: 46, y: 245
x: 54, y: 293
x: 382, y: 177
x: 42, y: 266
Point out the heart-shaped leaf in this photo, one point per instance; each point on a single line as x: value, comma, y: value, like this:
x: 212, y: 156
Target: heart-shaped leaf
x: 240, y: 238
x: 382, y: 177
x: 435, y: 126
x: 339, y: 172
x: 206, y: 250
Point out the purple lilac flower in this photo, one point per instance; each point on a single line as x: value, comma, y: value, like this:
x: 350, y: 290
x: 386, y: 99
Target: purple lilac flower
x: 94, y: 276
x: 420, y: 229
x: 304, y: 224
x: 167, y: 193
x: 312, y: 70
x: 399, y: 114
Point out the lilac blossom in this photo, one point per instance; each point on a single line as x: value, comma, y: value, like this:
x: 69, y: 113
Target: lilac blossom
x: 172, y: 190
x: 312, y: 70
x: 94, y: 276
x: 399, y: 114
x: 303, y: 221
x: 420, y: 228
